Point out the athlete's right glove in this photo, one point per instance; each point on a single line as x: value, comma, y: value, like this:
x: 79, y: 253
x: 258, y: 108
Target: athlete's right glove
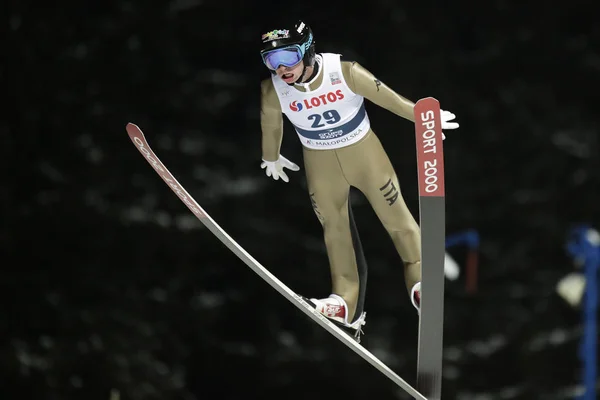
x: 275, y: 168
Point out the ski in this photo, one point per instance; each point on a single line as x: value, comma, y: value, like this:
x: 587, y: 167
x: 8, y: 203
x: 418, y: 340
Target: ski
x: 141, y: 144
x: 430, y: 165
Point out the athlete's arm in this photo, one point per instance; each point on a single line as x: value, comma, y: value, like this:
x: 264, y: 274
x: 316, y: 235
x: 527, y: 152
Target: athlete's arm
x: 271, y: 121
x: 363, y: 83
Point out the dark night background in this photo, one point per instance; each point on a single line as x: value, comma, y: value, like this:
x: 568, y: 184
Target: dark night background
x: 110, y: 282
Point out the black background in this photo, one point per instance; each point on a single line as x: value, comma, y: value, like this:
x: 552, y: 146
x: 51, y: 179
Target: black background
x: 110, y: 282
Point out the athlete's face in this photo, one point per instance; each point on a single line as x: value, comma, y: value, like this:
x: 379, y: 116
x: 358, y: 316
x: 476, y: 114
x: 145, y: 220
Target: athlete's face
x: 290, y: 74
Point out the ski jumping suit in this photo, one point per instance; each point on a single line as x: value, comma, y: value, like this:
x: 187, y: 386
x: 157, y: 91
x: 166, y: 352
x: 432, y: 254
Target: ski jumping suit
x: 341, y: 150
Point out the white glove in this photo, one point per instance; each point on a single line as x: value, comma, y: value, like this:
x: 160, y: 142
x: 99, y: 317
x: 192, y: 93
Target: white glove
x: 275, y: 168
x: 447, y: 116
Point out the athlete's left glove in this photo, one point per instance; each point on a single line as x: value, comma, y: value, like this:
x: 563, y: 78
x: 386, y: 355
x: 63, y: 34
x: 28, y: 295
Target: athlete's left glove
x: 275, y: 168
x: 446, y: 117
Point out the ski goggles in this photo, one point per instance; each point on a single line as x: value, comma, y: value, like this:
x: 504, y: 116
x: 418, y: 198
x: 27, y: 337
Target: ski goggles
x: 287, y: 56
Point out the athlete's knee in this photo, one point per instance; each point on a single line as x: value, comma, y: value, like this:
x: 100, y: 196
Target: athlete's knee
x: 407, y: 232
x: 335, y: 227
x: 408, y: 244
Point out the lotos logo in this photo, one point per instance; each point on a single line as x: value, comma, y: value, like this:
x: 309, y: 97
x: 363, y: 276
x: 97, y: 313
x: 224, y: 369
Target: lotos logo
x: 317, y: 101
x: 296, y: 106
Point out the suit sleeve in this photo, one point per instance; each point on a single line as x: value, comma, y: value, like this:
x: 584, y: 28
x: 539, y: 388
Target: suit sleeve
x: 362, y: 82
x: 271, y: 121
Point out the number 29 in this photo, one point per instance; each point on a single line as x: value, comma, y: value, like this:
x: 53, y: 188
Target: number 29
x: 329, y: 116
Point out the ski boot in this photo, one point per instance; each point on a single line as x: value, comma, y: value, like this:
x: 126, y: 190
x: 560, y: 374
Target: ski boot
x: 415, y: 296
x: 335, y: 309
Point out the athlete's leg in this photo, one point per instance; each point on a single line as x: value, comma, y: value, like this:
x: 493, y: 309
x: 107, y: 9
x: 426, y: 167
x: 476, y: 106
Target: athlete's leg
x: 367, y: 167
x: 329, y: 194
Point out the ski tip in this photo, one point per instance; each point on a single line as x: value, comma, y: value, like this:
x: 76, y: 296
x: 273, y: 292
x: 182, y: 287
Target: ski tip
x: 428, y: 101
x: 132, y: 128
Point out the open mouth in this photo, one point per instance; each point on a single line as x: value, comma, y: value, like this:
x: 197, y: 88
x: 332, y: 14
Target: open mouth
x: 287, y: 76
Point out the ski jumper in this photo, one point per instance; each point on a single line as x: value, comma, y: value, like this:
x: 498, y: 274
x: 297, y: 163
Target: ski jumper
x: 340, y: 151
